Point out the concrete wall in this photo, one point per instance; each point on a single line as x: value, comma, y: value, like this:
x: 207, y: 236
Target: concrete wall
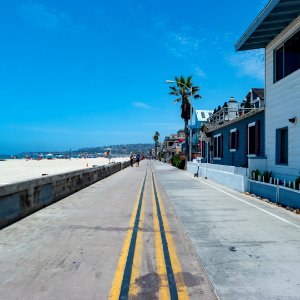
x: 259, y: 163
x: 282, y: 103
x: 232, y: 177
x: 20, y: 199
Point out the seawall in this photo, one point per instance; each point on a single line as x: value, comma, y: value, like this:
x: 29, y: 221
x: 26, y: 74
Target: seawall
x: 20, y: 199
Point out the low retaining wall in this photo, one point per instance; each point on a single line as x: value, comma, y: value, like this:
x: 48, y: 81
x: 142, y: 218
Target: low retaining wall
x: 18, y: 200
x: 275, y: 193
x: 232, y: 177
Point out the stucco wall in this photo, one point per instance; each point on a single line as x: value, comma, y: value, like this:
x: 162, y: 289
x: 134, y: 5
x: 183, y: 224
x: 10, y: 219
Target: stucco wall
x: 20, y: 199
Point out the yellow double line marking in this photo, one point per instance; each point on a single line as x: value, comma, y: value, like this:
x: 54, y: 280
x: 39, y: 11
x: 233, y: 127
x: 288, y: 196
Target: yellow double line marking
x: 165, y: 289
x: 171, y: 282
x: 115, y: 292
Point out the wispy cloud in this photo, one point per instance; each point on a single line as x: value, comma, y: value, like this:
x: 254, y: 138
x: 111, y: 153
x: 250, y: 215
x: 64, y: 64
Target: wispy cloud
x: 142, y: 105
x: 199, y: 72
x: 160, y: 21
x: 249, y: 63
x: 182, y: 43
x: 44, y: 17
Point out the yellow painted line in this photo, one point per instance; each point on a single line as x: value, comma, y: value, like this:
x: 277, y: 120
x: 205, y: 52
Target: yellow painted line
x: 164, y: 293
x: 137, y: 259
x: 117, y: 283
x: 176, y: 266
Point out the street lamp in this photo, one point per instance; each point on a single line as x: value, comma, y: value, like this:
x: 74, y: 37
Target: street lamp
x: 191, y: 114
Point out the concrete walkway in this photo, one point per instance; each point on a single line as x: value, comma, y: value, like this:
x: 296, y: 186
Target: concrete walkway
x: 109, y: 240
x: 249, y: 249
x: 224, y: 241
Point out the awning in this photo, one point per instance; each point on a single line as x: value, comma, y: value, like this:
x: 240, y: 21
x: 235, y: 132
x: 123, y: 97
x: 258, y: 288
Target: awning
x: 275, y: 17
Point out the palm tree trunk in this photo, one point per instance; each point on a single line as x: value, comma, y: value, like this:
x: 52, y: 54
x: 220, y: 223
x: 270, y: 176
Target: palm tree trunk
x: 186, y: 142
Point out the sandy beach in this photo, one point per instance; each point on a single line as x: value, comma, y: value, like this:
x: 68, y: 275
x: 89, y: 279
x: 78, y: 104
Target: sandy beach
x: 13, y: 170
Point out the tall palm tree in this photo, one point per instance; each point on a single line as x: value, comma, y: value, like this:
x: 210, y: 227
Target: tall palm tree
x: 156, y: 138
x: 183, y: 90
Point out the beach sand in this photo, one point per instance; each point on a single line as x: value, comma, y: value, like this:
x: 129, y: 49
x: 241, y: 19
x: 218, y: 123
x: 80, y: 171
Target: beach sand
x: 14, y: 170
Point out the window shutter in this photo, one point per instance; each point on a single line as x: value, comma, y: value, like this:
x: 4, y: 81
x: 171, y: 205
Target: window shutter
x: 236, y: 139
x: 257, y: 137
x: 221, y: 146
x: 229, y: 144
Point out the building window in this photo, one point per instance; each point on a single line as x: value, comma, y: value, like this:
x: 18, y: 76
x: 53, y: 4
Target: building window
x: 282, y: 146
x: 253, y: 138
x: 218, y: 146
x: 233, y: 139
x: 287, y: 57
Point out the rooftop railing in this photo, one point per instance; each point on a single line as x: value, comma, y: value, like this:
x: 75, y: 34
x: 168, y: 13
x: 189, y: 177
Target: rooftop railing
x: 227, y: 114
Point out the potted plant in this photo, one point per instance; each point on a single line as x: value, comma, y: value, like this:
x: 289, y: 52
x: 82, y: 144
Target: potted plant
x: 267, y: 176
x: 255, y: 175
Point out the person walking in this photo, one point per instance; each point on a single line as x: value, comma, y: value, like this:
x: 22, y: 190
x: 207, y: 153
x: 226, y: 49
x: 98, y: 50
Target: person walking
x: 138, y: 160
x: 131, y: 160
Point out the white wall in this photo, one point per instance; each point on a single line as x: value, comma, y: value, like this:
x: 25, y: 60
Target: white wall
x: 232, y: 177
x: 282, y: 103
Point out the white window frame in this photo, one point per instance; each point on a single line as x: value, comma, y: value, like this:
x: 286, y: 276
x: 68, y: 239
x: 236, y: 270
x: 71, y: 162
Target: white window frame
x: 232, y: 149
x: 250, y: 125
x: 217, y: 157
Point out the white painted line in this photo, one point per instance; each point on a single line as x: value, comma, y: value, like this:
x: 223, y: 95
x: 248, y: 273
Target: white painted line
x: 246, y: 202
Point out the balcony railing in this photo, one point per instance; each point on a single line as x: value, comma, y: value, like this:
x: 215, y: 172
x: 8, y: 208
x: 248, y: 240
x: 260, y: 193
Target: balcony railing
x: 227, y: 114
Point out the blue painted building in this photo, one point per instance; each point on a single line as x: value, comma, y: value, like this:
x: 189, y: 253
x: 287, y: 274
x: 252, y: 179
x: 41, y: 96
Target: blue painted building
x: 233, y: 142
x: 201, y: 116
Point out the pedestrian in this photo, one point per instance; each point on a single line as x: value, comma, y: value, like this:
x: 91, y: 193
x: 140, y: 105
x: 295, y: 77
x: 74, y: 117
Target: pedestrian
x: 131, y: 160
x: 138, y: 160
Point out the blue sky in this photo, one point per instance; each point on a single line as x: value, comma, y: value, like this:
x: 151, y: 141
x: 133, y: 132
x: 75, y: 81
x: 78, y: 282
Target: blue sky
x: 91, y: 73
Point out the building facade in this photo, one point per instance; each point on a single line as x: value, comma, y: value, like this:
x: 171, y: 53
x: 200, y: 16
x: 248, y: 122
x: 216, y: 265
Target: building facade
x: 277, y: 30
x: 173, y: 144
x: 233, y: 142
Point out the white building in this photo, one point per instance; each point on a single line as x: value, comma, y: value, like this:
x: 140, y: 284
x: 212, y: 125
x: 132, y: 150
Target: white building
x: 277, y: 30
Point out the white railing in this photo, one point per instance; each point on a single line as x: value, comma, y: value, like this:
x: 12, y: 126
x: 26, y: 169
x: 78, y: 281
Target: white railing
x: 227, y: 114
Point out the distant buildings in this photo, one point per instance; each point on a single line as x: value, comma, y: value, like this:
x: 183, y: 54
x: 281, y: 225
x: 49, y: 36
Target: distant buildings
x: 173, y: 144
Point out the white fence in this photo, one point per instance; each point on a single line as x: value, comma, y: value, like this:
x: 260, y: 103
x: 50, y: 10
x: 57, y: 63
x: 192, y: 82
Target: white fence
x: 232, y: 177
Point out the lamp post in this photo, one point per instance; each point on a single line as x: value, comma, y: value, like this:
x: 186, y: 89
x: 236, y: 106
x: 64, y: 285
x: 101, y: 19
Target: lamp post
x: 191, y: 114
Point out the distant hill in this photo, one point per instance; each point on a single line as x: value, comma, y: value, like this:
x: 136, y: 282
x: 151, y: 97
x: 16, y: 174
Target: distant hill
x: 123, y: 149
x: 119, y: 149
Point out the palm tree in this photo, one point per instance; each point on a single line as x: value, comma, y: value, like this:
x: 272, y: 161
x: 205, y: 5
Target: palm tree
x: 155, y: 138
x: 183, y: 90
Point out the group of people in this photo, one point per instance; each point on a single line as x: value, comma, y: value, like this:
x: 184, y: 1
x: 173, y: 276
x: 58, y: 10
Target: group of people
x: 137, y: 158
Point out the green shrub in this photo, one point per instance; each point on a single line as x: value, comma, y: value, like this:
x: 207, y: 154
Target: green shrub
x: 177, y: 162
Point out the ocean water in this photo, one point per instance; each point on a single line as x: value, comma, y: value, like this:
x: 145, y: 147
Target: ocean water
x: 2, y: 156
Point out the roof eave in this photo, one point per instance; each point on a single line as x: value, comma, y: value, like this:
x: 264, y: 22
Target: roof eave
x: 256, y: 23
